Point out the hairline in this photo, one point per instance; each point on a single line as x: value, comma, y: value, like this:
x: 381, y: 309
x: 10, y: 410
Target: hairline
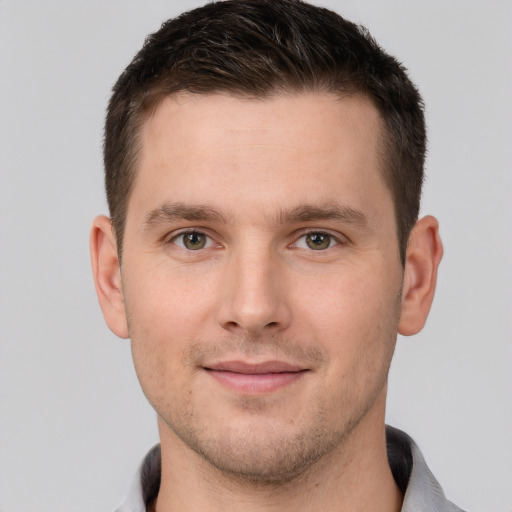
x: 152, y: 103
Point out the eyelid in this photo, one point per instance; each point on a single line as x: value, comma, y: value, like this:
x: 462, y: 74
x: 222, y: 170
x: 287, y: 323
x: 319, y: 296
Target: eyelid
x: 337, y: 238
x: 170, y: 239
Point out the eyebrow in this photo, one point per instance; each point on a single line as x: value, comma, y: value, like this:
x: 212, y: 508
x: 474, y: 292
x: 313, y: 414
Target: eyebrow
x: 169, y: 212
x: 308, y: 213
x: 181, y: 211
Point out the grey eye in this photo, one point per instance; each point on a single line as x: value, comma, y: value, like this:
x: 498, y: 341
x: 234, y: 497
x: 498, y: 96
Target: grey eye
x: 318, y: 241
x: 192, y: 240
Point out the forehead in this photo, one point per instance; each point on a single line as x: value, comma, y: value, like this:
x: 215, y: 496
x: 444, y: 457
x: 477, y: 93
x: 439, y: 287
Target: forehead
x: 293, y: 116
x: 302, y: 148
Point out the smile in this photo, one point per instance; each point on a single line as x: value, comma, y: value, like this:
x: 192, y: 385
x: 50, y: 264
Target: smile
x: 255, y: 378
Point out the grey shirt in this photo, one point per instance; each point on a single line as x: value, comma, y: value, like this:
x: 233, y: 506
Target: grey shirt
x: 422, y: 492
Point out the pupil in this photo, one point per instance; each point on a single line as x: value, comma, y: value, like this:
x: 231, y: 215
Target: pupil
x: 318, y: 241
x: 194, y: 241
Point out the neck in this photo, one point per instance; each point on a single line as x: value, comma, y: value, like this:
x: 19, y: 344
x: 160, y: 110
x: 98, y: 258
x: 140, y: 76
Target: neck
x: 355, y: 476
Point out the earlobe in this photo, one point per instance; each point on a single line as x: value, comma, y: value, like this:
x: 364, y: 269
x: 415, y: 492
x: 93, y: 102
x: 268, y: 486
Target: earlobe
x: 424, y: 253
x: 107, y: 275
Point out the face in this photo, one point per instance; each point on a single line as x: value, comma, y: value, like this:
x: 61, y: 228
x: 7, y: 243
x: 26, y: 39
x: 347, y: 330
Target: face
x: 261, y: 277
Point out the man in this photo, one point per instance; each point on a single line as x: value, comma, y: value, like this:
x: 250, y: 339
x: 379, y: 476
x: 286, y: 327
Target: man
x: 264, y: 162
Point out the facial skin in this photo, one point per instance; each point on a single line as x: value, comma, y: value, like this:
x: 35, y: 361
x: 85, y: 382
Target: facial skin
x: 261, y: 283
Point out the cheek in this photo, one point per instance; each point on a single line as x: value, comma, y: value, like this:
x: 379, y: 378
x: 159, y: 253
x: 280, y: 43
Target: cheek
x: 163, y: 302
x: 352, y: 315
x: 166, y: 315
x: 356, y: 323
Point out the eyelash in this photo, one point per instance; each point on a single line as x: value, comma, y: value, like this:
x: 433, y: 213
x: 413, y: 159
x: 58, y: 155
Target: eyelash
x: 333, y: 240
x: 209, y: 242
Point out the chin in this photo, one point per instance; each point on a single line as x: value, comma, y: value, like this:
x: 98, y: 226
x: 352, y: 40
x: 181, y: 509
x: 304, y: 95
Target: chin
x: 262, y: 454
x: 265, y: 460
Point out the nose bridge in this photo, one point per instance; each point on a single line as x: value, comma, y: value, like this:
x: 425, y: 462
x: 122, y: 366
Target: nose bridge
x: 254, y: 291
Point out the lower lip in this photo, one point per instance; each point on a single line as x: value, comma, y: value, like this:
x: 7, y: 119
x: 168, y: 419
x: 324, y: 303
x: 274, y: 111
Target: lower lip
x: 255, y: 383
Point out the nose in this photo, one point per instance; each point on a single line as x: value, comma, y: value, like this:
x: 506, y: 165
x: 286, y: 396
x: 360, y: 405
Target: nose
x: 254, y: 294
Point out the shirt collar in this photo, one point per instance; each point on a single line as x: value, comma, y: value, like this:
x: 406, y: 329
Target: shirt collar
x: 422, y: 492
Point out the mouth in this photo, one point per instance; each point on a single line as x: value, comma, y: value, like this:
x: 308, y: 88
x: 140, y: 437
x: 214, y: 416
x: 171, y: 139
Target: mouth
x: 259, y: 378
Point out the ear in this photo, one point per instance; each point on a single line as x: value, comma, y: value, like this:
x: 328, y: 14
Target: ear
x: 424, y: 253
x: 107, y: 275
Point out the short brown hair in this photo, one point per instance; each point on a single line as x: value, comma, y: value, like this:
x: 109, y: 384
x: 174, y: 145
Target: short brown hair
x: 257, y: 48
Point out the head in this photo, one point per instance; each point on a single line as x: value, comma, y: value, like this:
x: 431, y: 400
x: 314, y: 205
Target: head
x: 263, y: 166
x: 257, y: 49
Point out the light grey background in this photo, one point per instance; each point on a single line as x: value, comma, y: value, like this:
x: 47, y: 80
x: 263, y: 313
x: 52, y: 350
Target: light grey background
x: 73, y: 422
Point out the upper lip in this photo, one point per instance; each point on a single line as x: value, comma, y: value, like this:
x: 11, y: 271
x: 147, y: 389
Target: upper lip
x: 254, y: 368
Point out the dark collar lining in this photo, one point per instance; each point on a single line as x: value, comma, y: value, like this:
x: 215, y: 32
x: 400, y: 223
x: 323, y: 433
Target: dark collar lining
x: 397, y: 443
x: 398, y: 446
x: 151, y: 474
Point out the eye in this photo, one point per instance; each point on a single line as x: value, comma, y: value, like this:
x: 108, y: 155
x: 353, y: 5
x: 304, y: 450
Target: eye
x: 316, y: 240
x: 192, y: 240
